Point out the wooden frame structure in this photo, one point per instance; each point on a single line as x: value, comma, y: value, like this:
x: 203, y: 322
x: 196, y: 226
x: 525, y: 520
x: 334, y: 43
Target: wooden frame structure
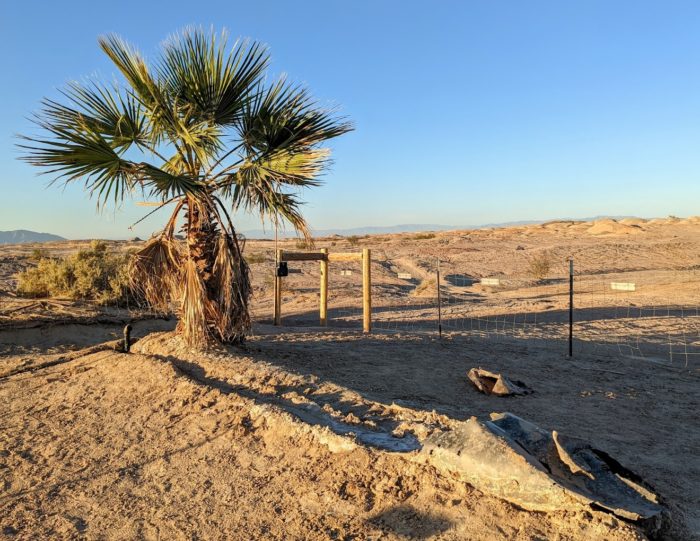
x: 324, y: 257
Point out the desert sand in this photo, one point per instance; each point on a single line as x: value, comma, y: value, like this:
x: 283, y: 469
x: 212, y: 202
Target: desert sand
x: 168, y: 443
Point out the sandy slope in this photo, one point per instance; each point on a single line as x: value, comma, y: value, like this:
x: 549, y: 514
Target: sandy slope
x: 115, y: 446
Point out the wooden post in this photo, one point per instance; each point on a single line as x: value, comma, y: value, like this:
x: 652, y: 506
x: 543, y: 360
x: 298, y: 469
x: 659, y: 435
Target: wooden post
x: 278, y: 290
x: 366, y: 290
x: 323, y: 309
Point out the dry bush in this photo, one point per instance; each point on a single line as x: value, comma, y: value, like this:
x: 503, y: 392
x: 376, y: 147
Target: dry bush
x: 304, y: 244
x: 258, y: 257
x: 424, y: 236
x: 539, y: 265
x: 92, y: 274
x: 426, y: 288
x: 38, y: 254
x: 353, y: 240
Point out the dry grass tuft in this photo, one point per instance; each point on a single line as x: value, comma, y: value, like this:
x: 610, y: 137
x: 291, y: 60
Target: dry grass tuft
x: 426, y: 288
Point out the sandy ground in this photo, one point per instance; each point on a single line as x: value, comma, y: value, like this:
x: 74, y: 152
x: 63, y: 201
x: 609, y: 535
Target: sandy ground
x: 165, y: 443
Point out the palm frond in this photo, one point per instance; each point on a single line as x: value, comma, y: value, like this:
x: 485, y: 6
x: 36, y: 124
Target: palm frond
x: 107, y: 111
x: 134, y: 69
x: 286, y: 117
x: 164, y: 112
x: 263, y: 196
x: 79, y: 153
x: 198, y: 69
x: 167, y: 185
x: 281, y: 131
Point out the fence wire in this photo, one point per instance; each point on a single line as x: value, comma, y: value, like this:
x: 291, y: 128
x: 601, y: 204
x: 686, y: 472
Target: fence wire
x: 523, y: 297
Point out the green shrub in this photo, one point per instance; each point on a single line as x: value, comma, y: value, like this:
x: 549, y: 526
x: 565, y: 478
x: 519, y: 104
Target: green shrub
x: 92, y: 274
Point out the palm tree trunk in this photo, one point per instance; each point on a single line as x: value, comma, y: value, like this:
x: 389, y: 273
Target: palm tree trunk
x: 202, y: 233
x: 216, y: 285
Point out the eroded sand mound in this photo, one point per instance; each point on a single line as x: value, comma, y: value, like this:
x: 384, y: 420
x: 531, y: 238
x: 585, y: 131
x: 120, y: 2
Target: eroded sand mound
x: 613, y: 227
x: 163, y: 444
x: 633, y: 221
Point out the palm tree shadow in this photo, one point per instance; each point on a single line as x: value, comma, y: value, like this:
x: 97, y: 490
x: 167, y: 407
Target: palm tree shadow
x: 380, y: 435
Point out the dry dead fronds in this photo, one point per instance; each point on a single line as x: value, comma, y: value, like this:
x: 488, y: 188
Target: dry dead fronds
x: 156, y: 271
x: 196, y: 309
x: 233, y: 290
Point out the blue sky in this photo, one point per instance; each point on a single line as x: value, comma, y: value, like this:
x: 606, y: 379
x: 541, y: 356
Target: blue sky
x: 466, y: 112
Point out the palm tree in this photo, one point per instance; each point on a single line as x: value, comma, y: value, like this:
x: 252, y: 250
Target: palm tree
x: 203, y: 131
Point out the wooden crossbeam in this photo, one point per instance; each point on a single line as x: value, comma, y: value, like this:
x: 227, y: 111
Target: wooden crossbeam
x: 321, y: 256
x: 324, y: 258
x: 345, y: 256
x: 303, y: 256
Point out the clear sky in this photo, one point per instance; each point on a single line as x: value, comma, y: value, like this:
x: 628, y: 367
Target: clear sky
x: 466, y: 112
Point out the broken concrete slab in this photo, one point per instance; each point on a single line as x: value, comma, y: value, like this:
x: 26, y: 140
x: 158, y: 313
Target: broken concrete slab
x: 496, y: 384
x: 517, y: 461
x: 497, y: 465
x: 590, y: 473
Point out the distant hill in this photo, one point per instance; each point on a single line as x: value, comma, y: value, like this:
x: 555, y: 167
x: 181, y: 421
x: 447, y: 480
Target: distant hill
x: 20, y: 236
x: 367, y: 230
x: 23, y: 236
x: 403, y: 228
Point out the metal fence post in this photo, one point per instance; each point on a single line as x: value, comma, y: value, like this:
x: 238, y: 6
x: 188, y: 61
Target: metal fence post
x: 571, y: 307
x: 439, y: 300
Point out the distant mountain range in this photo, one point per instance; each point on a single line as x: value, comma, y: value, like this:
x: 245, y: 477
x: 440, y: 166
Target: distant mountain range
x: 19, y: 236
x: 22, y: 236
x: 406, y: 228
x: 377, y: 230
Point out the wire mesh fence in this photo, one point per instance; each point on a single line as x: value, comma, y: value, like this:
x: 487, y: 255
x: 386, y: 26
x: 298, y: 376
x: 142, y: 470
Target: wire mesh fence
x: 525, y: 301
x: 644, y: 312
